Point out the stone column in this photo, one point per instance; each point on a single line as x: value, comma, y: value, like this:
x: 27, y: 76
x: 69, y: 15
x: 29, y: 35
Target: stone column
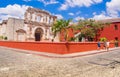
x: 48, y: 19
x: 30, y: 17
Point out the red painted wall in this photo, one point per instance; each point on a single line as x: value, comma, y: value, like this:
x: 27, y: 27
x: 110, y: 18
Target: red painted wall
x: 70, y: 35
x: 53, y: 47
x: 110, y: 33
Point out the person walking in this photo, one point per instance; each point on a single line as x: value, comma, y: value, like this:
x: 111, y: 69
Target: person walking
x: 99, y: 45
x: 116, y: 43
x: 107, y: 45
x: 104, y: 45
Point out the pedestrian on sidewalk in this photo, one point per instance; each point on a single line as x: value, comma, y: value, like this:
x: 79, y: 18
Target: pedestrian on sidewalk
x: 99, y: 45
x: 104, y: 45
x: 116, y: 43
x: 107, y: 45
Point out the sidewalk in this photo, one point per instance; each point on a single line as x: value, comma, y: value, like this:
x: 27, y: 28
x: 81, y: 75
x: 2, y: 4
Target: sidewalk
x: 53, y: 55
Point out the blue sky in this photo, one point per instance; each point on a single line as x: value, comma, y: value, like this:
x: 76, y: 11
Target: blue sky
x: 63, y: 9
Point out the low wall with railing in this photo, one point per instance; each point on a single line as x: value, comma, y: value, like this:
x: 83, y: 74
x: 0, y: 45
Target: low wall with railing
x: 53, y: 47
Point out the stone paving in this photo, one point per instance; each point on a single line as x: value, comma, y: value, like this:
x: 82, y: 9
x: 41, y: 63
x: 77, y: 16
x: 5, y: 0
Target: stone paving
x: 17, y: 64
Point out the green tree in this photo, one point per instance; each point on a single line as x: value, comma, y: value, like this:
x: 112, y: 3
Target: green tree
x: 90, y: 29
x: 61, y: 26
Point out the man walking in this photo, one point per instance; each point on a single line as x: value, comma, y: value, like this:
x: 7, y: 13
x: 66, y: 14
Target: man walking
x: 107, y: 45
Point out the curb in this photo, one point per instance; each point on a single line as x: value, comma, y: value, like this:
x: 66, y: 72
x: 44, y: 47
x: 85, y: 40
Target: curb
x: 52, y: 55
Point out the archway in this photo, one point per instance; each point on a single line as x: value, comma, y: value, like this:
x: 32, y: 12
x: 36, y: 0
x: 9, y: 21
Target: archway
x: 38, y: 34
x: 21, y: 35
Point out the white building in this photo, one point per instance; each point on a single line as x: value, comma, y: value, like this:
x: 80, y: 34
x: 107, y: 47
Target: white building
x: 36, y: 26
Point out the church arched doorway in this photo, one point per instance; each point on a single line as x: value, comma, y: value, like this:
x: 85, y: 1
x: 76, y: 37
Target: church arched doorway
x: 38, y: 34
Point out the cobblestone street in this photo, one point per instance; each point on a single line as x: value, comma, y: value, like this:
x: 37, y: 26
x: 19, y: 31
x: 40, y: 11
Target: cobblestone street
x: 16, y: 64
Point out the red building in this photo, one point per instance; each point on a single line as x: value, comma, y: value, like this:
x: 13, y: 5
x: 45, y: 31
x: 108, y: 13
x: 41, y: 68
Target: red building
x: 111, y: 32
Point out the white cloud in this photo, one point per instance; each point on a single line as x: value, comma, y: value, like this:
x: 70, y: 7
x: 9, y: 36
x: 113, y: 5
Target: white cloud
x: 78, y: 12
x: 79, y: 3
x: 71, y: 14
x: 97, y: 1
x: 100, y: 16
x: 4, y: 17
x: 63, y: 7
x: 48, y: 2
x: 59, y: 16
x: 112, y: 11
x: 15, y: 10
x: 26, y: 0
x: 113, y: 8
x: 94, y: 13
x: 78, y: 18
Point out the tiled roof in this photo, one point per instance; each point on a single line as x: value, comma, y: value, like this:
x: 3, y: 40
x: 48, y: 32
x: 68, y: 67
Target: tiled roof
x: 110, y: 20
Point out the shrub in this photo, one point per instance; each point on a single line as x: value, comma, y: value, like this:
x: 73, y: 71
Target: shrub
x: 72, y: 39
x: 103, y: 39
x: 5, y: 38
x: 1, y: 37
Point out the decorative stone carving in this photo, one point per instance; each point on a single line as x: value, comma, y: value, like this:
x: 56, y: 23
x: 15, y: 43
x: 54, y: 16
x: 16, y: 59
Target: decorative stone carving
x: 34, y: 19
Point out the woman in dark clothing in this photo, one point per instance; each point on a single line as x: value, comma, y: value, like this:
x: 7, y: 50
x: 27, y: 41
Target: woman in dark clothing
x: 99, y: 45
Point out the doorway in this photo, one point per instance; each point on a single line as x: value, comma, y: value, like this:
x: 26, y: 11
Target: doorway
x: 38, y: 34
